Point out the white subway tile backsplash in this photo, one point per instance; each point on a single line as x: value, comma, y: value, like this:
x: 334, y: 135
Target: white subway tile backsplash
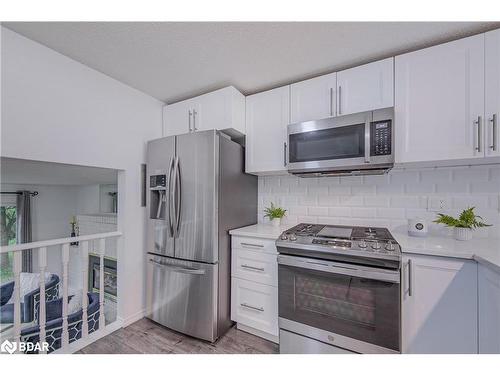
x: 339, y: 211
x: 405, y: 201
x: 363, y: 212
x: 387, y: 200
x: 317, y: 211
x: 391, y: 213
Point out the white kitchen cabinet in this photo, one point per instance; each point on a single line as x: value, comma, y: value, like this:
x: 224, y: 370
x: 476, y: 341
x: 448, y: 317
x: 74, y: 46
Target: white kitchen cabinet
x: 222, y: 109
x: 439, y: 305
x: 492, y: 93
x: 267, y: 116
x: 489, y: 310
x: 439, y: 102
x: 366, y: 87
x: 254, y: 286
x: 313, y: 99
x: 177, y: 118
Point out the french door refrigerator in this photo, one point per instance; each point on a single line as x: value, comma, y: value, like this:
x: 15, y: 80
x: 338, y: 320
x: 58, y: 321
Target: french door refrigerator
x: 198, y: 191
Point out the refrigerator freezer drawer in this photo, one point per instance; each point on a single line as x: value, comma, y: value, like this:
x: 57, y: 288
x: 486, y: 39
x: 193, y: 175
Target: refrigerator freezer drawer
x: 182, y: 295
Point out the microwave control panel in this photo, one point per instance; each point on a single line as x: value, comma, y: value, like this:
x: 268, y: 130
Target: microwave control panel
x: 381, y: 138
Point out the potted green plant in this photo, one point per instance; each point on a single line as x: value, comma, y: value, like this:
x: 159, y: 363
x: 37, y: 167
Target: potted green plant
x: 275, y: 214
x: 464, y: 224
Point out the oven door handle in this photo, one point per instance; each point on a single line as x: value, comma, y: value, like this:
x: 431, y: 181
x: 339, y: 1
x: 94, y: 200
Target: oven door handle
x: 392, y: 276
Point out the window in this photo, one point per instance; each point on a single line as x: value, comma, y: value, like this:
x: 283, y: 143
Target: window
x: 8, y: 215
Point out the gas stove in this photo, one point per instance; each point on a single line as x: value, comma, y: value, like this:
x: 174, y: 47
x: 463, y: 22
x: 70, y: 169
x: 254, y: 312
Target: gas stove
x: 364, y: 245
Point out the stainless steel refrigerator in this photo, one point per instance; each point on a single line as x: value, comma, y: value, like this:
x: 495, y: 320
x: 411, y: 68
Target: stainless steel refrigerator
x: 198, y: 191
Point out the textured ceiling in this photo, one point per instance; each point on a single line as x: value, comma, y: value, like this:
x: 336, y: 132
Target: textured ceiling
x: 174, y: 61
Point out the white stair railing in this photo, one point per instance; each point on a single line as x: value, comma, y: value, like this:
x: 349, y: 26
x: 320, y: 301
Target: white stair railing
x: 64, y: 244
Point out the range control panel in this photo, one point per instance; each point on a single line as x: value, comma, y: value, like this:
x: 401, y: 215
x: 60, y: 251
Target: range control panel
x: 381, y: 138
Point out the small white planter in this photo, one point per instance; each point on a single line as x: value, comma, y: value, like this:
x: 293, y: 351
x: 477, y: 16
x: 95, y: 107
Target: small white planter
x: 276, y: 222
x: 463, y: 234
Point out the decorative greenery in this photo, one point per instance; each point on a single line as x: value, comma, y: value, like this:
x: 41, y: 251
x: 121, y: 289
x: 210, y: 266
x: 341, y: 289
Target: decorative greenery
x: 274, y: 212
x: 467, y: 219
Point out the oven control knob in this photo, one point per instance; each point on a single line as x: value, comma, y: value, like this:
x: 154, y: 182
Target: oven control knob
x: 284, y: 237
x: 376, y: 245
x: 390, y: 246
x: 292, y: 237
x: 362, y: 244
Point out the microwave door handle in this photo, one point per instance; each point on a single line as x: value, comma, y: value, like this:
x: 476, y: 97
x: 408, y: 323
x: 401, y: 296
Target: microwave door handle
x: 367, y: 142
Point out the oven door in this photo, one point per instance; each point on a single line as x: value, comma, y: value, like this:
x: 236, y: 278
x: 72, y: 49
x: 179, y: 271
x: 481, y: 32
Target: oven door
x: 353, y: 307
x: 327, y: 144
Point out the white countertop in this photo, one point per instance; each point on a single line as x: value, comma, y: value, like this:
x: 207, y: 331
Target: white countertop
x: 266, y: 231
x: 482, y: 250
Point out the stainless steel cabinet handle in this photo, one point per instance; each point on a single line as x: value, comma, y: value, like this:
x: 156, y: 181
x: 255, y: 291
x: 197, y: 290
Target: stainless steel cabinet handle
x: 189, y: 122
x: 493, y: 121
x: 409, y: 278
x: 331, y: 101
x: 261, y: 309
x: 190, y: 271
x: 251, y: 244
x: 261, y: 269
x: 284, y: 154
x: 194, y: 120
x: 479, y: 133
x: 340, y: 100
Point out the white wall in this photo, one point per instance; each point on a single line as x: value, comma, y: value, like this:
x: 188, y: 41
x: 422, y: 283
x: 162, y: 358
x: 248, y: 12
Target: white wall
x: 55, y: 109
x: 388, y: 200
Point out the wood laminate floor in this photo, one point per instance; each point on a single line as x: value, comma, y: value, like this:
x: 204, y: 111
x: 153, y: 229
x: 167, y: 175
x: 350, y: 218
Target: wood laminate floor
x: 148, y: 337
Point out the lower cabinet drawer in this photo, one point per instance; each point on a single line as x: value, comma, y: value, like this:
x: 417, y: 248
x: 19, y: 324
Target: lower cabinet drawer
x: 253, y: 266
x: 254, y: 305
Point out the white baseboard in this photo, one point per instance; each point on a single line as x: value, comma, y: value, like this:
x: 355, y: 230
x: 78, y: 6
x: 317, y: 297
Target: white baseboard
x: 259, y: 333
x: 94, y: 336
x: 132, y: 318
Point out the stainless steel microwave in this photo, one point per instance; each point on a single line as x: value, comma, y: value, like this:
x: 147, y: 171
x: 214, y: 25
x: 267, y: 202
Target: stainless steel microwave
x: 357, y: 144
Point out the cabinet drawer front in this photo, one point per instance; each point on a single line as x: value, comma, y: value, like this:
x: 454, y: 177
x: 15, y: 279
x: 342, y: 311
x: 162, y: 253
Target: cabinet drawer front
x: 259, y: 267
x: 255, y: 244
x: 255, y: 305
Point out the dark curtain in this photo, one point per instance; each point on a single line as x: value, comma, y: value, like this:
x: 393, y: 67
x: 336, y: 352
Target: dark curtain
x: 24, y: 228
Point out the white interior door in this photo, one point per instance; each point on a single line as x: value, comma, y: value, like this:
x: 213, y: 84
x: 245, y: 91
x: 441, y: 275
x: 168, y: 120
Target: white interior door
x: 439, y: 102
x: 313, y: 99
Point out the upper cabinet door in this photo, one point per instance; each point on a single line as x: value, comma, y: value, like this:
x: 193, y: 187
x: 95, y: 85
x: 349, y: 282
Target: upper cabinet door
x: 220, y: 109
x: 267, y: 116
x: 313, y: 99
x: 177, y: 118
x: 492, y: 90
x: 366, y: 87
x: 439, y: 102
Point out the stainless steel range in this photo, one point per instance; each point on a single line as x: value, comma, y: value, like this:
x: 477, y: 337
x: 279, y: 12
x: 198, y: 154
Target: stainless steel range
x: 339, y: 290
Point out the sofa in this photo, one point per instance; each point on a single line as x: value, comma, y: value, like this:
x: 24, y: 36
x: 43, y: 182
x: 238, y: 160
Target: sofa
x: 53, y: 327
x: 29, y: 302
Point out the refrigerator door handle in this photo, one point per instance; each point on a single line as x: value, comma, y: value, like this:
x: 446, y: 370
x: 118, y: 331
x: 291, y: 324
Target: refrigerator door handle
x: 169, y: 205
x: 178, y: 197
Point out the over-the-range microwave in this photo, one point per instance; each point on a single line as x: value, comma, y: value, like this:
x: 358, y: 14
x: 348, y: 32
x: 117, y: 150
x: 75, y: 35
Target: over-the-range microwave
x: 356, y: 144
